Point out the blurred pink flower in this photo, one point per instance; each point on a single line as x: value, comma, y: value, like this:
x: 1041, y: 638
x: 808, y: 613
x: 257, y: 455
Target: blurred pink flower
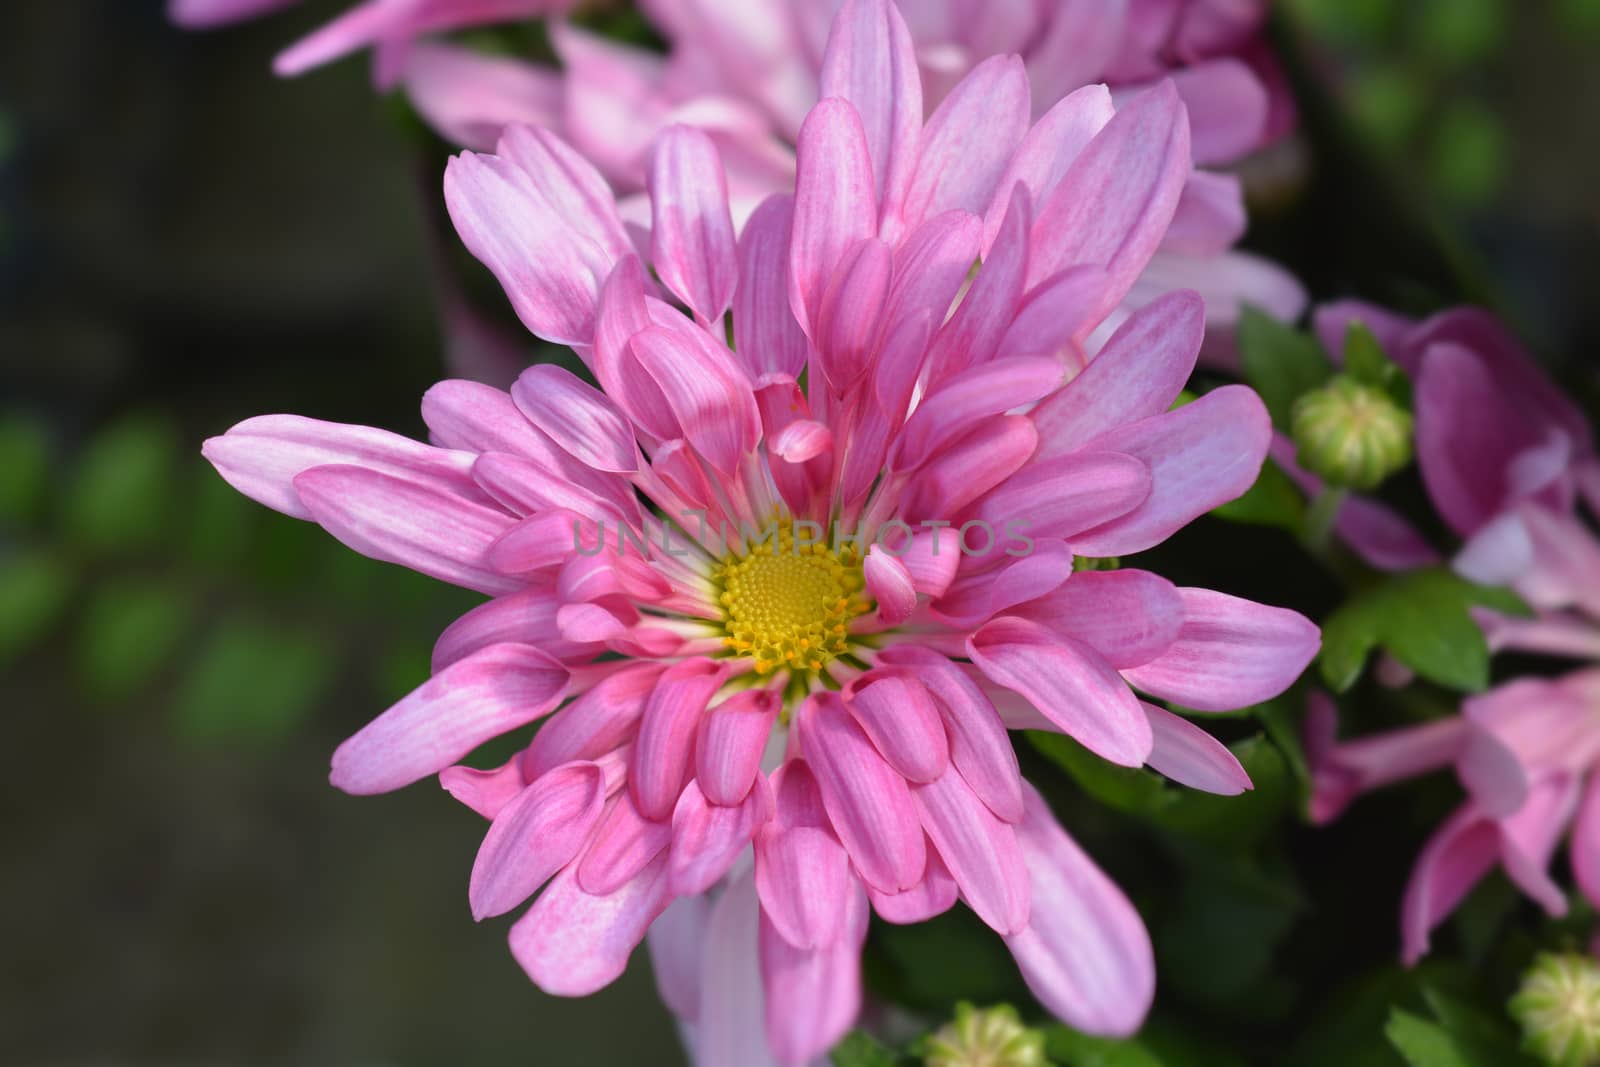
x: 657, y: 522
x: 1505, y: 459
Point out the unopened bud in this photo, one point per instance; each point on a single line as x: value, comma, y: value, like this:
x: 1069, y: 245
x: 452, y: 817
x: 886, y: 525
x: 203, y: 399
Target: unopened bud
x: 992, y: 1037
x: 1350, y: 434
x: 1559, y: 1009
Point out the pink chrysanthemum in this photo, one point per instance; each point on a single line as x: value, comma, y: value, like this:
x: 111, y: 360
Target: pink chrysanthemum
x: 1505, y: 458
x: 703, y: 570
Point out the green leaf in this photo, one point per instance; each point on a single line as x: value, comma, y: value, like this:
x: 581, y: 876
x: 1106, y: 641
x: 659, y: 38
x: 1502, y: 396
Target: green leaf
x: 120, y: 496
x: 35, y: 588
x: 1280, y: 362
x: 131, y: 629
x: 1366, y: 362
x: 1422, y: 1043
x: 860, y: 1049
x: 1072, y: 1049
x: 1460, y: 32
x: 1133, y: 790
x: 1273, y: 500
x: 1459, y: 1035
x: 1422, y: 618
x: 1467, y: 153
x: 252, y: 681
x: 24, y: 468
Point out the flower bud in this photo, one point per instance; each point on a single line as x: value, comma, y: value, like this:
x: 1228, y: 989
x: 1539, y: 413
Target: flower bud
x: 1351, y: 435
x: 992, y: 1037
x: 1559, y: 1009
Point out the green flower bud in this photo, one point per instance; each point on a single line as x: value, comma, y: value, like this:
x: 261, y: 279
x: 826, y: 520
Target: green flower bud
x: 993, y: 1037
x: 1559, y: 1009
x: 1351, y: 435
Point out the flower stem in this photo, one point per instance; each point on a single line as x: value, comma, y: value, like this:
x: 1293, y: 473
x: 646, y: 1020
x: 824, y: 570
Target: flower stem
x: 1318, y: 534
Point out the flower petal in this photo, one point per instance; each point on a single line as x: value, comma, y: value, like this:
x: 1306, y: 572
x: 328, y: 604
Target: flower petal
x: 1230, y: 653
x: 933, y: 896
x: 979, y: 850
x: 691, y: 231
x: 1190, y: 756
x: 707, y: 838
x: 869, y: 61
x: 803, y: 876
x: 732, y: 736
x: 578, y: 417
x: 662, y: 755
x: 482, y: 696
x: 769, y: 340
x: 899, y: 716
x: 623, y: 845
x: 1128, y: 616
x: 599, y: 721
x: 812, y: 997
x: 835, y: 205
x: 890, y: 585
x: 1458, y: 854
x: 534, y: 836
x: 969, y: 139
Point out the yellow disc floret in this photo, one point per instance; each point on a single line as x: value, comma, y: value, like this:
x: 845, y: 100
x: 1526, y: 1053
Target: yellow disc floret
x: 788, y: 605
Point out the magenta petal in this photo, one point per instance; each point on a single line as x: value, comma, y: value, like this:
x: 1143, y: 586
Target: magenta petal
x: 812, y: 997
x: 1113, y: 206
x: 981, y: 319
x: 969, y: 139
x: 535, y: 836
x: 1231, y: 653
x: 931, y: 559
x: 1063, y: 497
x: 691, y: 233
x: 1201, y: 455
x: 1137, y: 374
x: 1128, y: 616
x: 979, y: 850
x: 933, y: 896
x: 527, y: 617
x: 485, y: 792
x: 622, y: 846
x: 1068, y: 683
x: 482, y: 696
x: 970, y: 467
x: 870, y: 62
x: 574, y: 943
x: 1085, y: 952
x: 1585, y: 847
x: 706, y: 391
x: 540, y: 541
x: 868, y: 802
x: 890, y: 585
x: 1528, y: 838
x: 835, y: 204
x: 707, y: 838
x: 732, y: 738
x: 470, y: 97
x: 578, y: 417
x: 979, y: 747
x: 982, y: 596
x: 1190, y: 756
x: 899, y: 716
x: 478, y: 418
x: 599, y: 721
x: 444, y: 537
x: 662, y: 755
x: 1054, y: 317
x: 1459, y: 853
x: 1047, y: 153
x: 803, y: 876
x: 260, y: 457
x: 768, y: 339
x: 1227, y: 107
x: 964, y: 399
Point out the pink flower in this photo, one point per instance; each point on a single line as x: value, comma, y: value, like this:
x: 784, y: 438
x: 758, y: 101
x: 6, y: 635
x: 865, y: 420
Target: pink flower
x: 794, y: 622
x: 749, y: 71
x: 388, y: 26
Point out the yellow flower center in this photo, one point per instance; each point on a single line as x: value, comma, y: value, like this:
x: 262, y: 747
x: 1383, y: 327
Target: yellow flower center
x: 788, y: 605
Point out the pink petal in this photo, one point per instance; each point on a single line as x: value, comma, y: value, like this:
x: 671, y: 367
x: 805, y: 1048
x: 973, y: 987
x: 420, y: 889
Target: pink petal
x: 844, y: 326
x: 970, y: 467
x: 1231, y: 653
x: 868, y: 803
x: 541, y: 541
x: 261, y: 457
x: 983, y: 595
x: 1585, y: 848
x: 534, y: 836
x: 768, y: 340
x: 1056, y: 314
x: 677, y: 943
x: 1065, y: 496
x: 623, y: 313
x: 662, y: 756
x: 578, y: 417
x: 205, y: 14
x: 890, y: 586
x: 1190, y: 756
x: 965, y: 399
x: 691, y: 232
x: 1069, y: 684
x: 526, y: 617
x: 1528, y: 838
x: 1458, y: 854
x: 1113, y: 206
x: 1079, y: 44
x: 1048, y: 152
x: 452, y: 713
x: 898, y: 714
x: 812, y: 997
x: 982, y: 317
x: 932, y: 267
x: 969, y: 139
x: 1128, y: 616
x: 933, y: 896
x: 1211, y: 216
x: 732, y: 736
x: 385, y: 518
x: 706, y: 391
x: 803, y: 876
x: 980, y: 851
x: 979, y: 747
x: 574, y: 943
x: 623, y: 845
x: 597, y: 722
x: 707, y: 838
x: 485, y: 792
x: 835, y: 205
x: 470, y: 97
x: 931, y: 559
x: 1201, y: 455
x: 1086, y: 955
x: 869, y: 62
x: 1227, y: 107
x: 730, y: 1030
x: 478, y: 418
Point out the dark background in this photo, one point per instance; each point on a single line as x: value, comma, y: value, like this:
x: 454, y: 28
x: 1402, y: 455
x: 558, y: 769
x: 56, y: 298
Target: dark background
x: 186, y: 241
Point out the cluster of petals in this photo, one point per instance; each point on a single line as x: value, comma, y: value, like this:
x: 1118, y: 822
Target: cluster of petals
x: 670, y: 763
x: 1509, y: 465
